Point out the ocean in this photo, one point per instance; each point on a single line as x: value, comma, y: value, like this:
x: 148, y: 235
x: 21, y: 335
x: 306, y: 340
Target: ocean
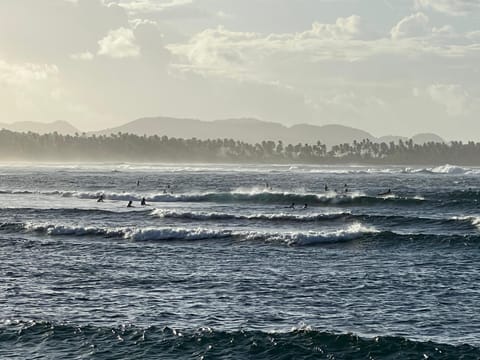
x: 220, y: 265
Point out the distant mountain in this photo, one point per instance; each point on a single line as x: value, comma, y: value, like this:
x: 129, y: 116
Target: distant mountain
x: 245, y: 129
x: 389, y: 138
x: 417, y: 139
x: 61, y: 127
x: 426, y: 138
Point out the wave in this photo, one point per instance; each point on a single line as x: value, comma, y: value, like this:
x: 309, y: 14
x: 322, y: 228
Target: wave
x: 301, y: 216
x: 352, y: 232
x: 474, y: 220
x: 258, y: 196
x: 252, y: 195
x: 446, y: 169
x: 204, y: 215
x: 27, y: 339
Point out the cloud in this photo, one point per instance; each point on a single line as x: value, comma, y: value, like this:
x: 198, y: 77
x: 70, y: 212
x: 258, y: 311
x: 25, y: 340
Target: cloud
x: 23, y: 74
x: 119, y: 43
x: 224, y: 52
x: 270, y: 57
x: 344, y: 28
x: 146, y: 6
x: 450, y: 7
x: 452, y: 96
x: 87, y: 55
x: 415, y: 25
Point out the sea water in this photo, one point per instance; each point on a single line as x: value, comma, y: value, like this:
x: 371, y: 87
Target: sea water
x: 218, y: 265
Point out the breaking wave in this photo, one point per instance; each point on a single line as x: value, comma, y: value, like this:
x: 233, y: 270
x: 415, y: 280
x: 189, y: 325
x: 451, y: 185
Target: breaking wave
x: 199, y: 215
x: 352, y: 232
x: 254, y: 195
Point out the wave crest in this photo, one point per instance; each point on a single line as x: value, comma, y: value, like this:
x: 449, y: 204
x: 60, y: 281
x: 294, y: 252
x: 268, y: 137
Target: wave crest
x: 352, y: 232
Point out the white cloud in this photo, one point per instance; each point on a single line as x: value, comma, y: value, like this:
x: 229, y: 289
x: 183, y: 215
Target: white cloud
x: 452, y: 96
x: 23, y: 74
x: 234, y: 54
x: 415, y: 25
x: 255, y: 56
x: 146, y: 6
x: 119, y: 43
x: 87, y: 55
x: 135, y: 23
x: 344, y: 28
x: 451, y: 7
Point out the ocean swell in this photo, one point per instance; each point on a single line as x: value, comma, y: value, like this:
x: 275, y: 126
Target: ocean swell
x: 28, y: 339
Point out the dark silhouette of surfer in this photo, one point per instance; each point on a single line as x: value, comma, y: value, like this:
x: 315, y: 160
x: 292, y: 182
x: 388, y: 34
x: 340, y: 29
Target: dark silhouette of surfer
x: 326, y: 187
x: 143, y: 202
x: 388, y: 192
x: 138, y: 182
x: 101, y: 198
x: 130, y: 203
x: 291, y: 206
x: 305, y: 206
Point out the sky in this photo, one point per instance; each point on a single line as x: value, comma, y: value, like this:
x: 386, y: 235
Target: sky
x: 386, y: 66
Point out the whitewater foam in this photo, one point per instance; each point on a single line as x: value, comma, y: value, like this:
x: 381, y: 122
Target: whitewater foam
x: 202, y: 215
x: 169, y: 233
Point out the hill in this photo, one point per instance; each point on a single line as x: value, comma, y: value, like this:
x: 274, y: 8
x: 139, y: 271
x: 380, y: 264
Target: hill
x: 244, y: 129
x: 61, y: 127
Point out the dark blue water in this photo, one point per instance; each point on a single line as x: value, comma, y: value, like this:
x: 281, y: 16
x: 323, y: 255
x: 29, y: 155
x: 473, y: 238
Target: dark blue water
x: 217, y: 265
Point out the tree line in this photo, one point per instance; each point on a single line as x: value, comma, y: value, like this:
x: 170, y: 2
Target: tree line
x: 122, y: 147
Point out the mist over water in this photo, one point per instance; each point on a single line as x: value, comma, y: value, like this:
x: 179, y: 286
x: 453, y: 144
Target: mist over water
x: 218, y: 264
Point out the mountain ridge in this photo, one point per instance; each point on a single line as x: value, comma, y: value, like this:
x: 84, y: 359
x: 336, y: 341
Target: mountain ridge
x: 250, y: 130
x: 59, y: 126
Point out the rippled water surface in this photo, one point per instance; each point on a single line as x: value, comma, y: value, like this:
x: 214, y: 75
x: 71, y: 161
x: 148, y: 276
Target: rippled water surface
x: 217, y: 265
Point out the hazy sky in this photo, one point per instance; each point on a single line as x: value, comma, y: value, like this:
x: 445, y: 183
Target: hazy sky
x: 386, y: 66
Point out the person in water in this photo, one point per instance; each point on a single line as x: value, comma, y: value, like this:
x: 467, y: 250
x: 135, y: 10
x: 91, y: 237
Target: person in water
x: 138, y: 182
x: 326, y: 187
x: 143, y: 202
x: 100, y: 198
x: 291, y: 206
x: 305, y: 206
x: 388, y: 192
x: 130, y: 203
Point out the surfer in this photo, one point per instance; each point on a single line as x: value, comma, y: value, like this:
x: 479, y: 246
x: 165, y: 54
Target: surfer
x: 130, y: 203
x: 326, y: 187
x: 388, y: 192
x: 291, y: 206
x: 143, y: 202
x: 138, y: 182
x: 100, y: 198
x: 305, y: 206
